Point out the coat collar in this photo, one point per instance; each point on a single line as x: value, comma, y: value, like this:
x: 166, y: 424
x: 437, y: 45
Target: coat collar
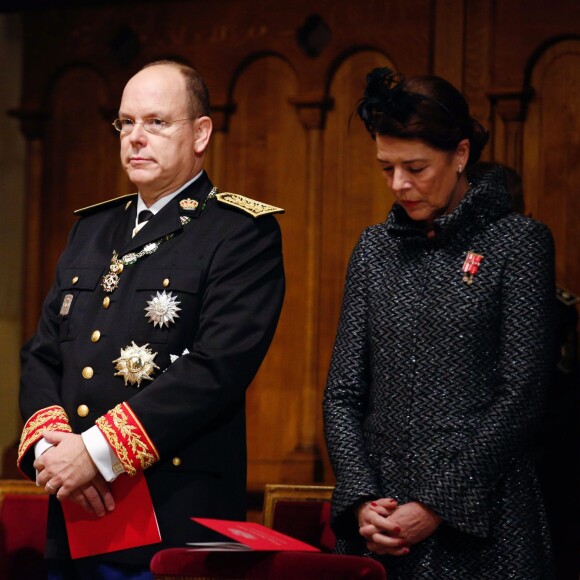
x: 486, y: 201
x: 168, y: 219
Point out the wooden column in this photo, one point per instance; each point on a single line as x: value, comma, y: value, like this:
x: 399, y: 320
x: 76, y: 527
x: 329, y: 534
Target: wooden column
x: 32, y: 125
x: 216, y: 162
x: 448, y: 40
x: 304, y: 463
x: 509, y: 111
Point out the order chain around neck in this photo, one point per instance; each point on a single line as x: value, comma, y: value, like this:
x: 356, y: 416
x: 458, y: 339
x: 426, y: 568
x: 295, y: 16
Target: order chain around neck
x: 111, y: 279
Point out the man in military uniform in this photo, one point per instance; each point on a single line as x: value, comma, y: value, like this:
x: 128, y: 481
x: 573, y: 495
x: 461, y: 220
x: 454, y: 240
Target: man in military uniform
x: 164, y: 305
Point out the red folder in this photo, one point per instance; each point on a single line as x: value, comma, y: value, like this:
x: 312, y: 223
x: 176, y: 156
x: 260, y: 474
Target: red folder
x: 131, y: 524
x: 250, y: 536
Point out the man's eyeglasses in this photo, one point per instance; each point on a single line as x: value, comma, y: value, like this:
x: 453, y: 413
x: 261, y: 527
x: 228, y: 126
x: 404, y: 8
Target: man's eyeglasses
x: 151, y: 125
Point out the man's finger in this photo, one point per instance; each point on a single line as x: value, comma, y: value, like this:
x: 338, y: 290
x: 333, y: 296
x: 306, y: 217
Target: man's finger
x: 78, y: 498
x: 93, y: 497
x: 51, y: 489
x: 105, y: 492
x: 54, y: 437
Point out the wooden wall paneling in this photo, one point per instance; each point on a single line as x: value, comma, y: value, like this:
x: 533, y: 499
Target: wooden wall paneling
x: 215, y: 163
x: 448, y: 41
x: 32, y: 124
x: 266, y: 158
x: 496, y: 146
x: 477, y: 55
x: 271, y: 143
x: 80, y: 159
x: 508, y: 124
x: 520, y: 27
x: 308, y: 452
x: 552, y: 148
x: 354, y: 197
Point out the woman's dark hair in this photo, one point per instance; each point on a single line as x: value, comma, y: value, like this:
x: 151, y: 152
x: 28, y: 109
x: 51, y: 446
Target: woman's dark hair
x: 424, y: 107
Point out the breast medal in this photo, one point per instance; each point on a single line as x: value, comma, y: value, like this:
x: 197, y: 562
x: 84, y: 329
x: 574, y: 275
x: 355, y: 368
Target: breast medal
x: 162, y: 309
x: 174, y: 357
x: 135, y: 364
x: 471, y: 266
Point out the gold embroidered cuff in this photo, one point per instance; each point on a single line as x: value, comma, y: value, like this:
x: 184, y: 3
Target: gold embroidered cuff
x: 128, y: 438
x: 48, y: 419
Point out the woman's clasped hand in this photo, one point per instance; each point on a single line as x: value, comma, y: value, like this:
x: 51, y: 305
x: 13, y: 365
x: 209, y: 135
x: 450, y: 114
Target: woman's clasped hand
x: 392, y: 529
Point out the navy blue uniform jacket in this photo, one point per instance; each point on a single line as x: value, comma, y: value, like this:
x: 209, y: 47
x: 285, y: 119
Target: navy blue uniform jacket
x: 225, y: 270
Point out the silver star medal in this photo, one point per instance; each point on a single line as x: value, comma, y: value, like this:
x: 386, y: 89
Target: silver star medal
x: 174, y: 357
x: 135, y: 364
x: 162, y: 309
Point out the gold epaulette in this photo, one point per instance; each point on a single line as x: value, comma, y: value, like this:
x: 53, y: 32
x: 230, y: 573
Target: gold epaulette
x: 105, y: 204
x: 251, y: 206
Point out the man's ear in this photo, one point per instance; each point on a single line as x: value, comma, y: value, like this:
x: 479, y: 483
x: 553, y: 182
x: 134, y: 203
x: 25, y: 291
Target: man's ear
x: 203, y: 128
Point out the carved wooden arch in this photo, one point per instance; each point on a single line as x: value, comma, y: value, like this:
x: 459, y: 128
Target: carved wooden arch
x: 229, y: 106
x: 551, y: 150
x: 222, y: 111
x: 59, y: 176
x: 350, y: 168
x: 354, y: 195
x: 352, y: 182
x: 549, y: 48
x: 264, y: 154
x: 347, y: 55
x: 65, y: 70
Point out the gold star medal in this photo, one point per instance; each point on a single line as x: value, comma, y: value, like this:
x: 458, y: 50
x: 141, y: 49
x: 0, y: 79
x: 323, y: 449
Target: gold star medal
x: 135, y: 364
x: 162, y: 309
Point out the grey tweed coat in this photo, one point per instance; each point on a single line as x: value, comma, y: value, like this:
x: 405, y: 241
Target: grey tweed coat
x: 436, y: 386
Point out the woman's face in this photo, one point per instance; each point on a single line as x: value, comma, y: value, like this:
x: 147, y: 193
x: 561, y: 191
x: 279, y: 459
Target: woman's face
x: 424, y: 180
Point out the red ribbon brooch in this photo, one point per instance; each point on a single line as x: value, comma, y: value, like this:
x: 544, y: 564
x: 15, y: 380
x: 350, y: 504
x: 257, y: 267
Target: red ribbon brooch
x: 471, y: 266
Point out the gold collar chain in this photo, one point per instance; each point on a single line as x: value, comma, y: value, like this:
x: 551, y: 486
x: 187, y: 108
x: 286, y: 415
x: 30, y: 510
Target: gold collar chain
x: 110, y: 281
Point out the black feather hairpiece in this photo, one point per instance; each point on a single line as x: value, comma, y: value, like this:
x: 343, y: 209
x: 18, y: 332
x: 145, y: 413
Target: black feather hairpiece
x: 385, y: 96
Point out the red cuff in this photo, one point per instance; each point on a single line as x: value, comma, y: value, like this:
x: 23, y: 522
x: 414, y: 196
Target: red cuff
x: 128, y: 438
x: 48, y: 419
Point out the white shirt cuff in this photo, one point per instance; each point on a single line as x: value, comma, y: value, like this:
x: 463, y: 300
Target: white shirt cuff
x: 39, y: 448
x: 102, y: 454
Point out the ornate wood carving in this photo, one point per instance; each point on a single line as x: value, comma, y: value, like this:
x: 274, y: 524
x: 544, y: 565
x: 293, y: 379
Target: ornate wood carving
x: 290, y: 141
x: 476, y: 63
x: 551, y: 151
x: 448, y: 40
x: 509, y: 108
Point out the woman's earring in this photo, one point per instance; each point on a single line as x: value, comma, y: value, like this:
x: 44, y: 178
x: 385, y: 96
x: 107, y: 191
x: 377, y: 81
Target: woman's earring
x: 459, y: 169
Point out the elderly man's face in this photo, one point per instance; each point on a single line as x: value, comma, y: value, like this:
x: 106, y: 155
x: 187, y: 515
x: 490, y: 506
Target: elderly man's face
x: 160, y: 164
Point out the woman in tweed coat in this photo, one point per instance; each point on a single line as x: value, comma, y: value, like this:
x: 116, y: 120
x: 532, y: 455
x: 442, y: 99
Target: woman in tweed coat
x: 442, y: 356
